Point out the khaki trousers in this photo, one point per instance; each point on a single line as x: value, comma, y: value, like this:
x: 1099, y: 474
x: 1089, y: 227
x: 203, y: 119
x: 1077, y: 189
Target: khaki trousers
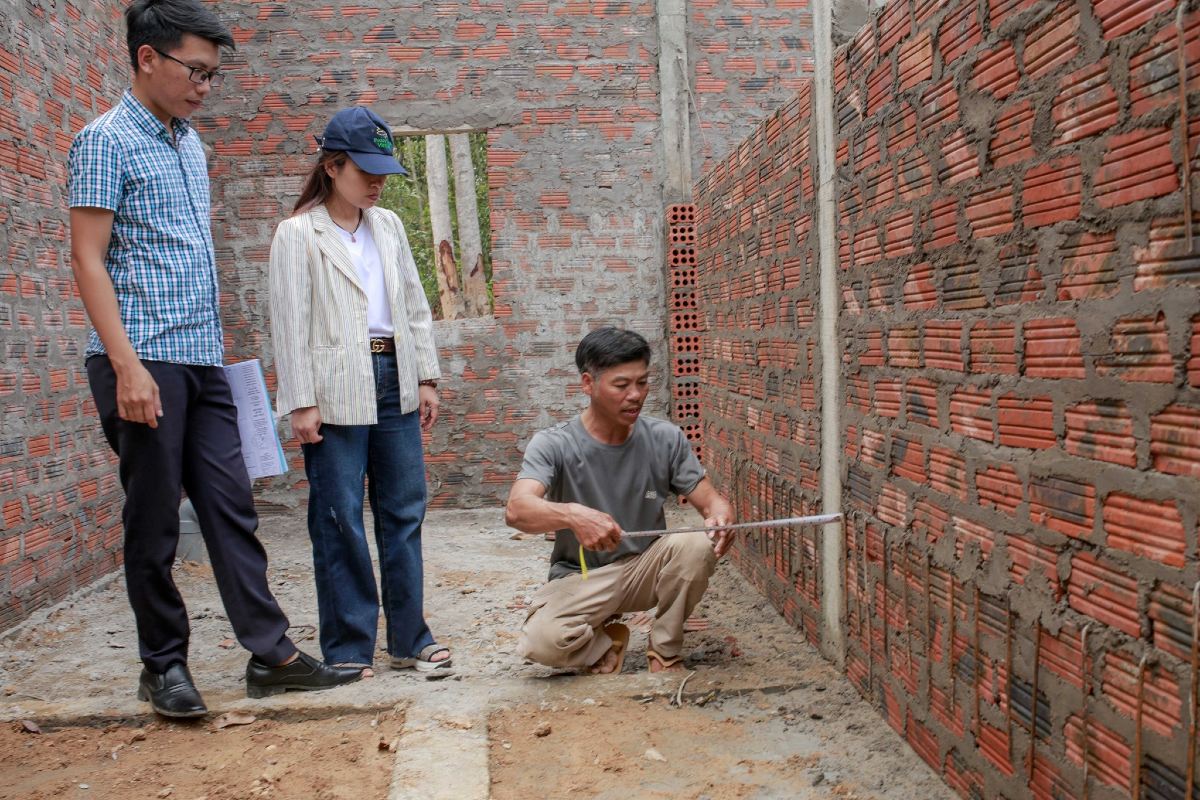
x: 564, y: 627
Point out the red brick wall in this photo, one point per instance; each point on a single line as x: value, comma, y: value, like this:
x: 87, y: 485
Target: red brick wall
x: 745, y: 55
x: 569, y: 92
x: 1019, y: 321
x: 59, y: 496
x: 756, y: 286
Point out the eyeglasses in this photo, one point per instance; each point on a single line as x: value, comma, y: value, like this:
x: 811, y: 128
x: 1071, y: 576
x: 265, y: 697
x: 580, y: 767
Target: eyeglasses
x: 196, y: 74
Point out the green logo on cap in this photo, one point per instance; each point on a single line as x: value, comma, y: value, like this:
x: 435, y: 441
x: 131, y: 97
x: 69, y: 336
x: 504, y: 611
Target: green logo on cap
x: 382, y: 140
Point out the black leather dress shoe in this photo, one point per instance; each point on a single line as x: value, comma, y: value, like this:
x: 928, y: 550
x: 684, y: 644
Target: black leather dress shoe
x: 303, y: 674
x: 172, y: 693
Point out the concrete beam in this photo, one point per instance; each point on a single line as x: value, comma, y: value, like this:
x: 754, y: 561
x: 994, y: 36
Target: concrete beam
x: 833, y: 540
x: 673, y: 95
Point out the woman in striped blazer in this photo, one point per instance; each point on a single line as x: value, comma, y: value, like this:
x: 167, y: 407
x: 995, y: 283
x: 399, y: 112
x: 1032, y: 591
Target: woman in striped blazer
x: 357, y: 370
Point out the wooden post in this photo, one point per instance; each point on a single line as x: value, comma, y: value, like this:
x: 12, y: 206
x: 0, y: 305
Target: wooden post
x: 474, y: 282
x: 439, y: 220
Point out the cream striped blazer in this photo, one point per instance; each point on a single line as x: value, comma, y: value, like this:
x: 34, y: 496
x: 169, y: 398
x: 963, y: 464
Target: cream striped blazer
x: 319, y: 318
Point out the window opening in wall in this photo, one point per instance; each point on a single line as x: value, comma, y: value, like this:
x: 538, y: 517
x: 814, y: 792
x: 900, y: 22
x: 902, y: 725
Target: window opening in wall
x: 443, y: 202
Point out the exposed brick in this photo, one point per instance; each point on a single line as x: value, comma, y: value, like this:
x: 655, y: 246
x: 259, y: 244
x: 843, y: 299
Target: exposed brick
x: 1193, y: 364
x: 1147, y: 528
x: 921, y: 402
x: 961, y: 160
x: 1053, y: 192
x: 901, y: 130
x: 1053, y: 349
x: 1166, y: 260
x: 1062, y: 654
x: 1086, y: 104
x: 996, y: 71
x: 1062, y: 505
x: 919, y: 291
x: 1001, y: 10
x: 1108, y: 753
x: 915, y: 63
x: 1159, y: 703
x: 915, y: 176
x: 1102, y: 430
x: 1101, y: 591
x: 898, y: 235
x: 990, y: 211
x: 929, y: 521
x: 943, y: 223
x: 908, y: 459
x: 1170, y: 613
x: 993, y: 348
x: 971, y: 413
x: 1029, y: 557
x: 1013, y: 139
x: 893, y: 27
x: 1026, y: 422
x: 1154, y: 70
x: 947, y: 472
x: 1087, y: 266
x: 1175, y: 440
x: 887, y: 398
x: 1136, y: 166
x: 939, y: 104
x: 879, y: 87
x: 893, y: 505
x: 1020, y: 280
x: 1119, y: 17
x: 943, y: 345
x: 962, y: 287
x: 1000, y: 488
x: 904, y: 347
x: 959, y: 33
x: 1140, y: 351
x: 1053, y: 42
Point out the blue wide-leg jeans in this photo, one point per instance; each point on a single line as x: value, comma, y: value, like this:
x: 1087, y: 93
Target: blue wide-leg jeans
x: 388, y: 458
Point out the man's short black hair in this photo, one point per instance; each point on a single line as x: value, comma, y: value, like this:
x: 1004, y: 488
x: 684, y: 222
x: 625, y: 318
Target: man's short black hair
x: 163, y: 23
x: 607, y: 347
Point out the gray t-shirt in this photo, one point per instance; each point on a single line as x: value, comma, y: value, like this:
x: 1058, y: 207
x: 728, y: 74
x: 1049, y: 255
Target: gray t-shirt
x: 631, y: 481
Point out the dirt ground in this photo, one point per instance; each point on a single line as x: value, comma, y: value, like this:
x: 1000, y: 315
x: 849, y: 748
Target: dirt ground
x: 344, y: 757
x: 764, y: 716
x: 752, y: 745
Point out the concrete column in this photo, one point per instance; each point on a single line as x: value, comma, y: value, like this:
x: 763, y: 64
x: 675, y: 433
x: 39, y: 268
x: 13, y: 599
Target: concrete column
x: 833, y: 540
x: 673, y: 94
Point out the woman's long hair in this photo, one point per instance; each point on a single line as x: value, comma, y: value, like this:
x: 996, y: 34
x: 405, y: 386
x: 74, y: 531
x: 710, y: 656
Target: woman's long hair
x: 318, y: 185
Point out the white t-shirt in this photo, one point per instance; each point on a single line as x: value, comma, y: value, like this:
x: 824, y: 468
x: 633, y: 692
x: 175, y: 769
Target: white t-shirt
x: 365, y: 256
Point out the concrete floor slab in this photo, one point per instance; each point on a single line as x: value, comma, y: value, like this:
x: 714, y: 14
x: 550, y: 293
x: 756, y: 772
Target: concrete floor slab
x: 78, y: 664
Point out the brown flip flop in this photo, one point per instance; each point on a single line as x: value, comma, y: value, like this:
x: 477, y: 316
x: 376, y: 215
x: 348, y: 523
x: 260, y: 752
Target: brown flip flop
x: 620, y: 635
x: 664, y: 664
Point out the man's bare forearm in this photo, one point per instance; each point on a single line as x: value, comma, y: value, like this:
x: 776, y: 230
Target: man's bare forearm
x: 536, y: 514
x: 100, y: 301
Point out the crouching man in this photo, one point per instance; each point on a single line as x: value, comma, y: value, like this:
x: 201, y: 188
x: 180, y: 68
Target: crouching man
x: 606, y: 471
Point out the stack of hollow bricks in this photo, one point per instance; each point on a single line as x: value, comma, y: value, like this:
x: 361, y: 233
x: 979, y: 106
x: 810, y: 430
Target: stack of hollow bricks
x: 1021, y: 380
x: 684, y: 321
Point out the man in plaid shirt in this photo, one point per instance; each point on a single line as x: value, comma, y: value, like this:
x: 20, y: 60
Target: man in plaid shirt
x: 142, y: 253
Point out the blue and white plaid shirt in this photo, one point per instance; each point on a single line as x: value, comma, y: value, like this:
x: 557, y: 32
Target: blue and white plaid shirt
x: 161, y: 255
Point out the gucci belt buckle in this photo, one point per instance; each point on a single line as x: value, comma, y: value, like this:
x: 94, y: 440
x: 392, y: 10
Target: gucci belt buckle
x: 378, y: 346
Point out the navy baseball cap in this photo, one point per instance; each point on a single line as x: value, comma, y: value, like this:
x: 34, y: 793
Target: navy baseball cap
x: 367, y: 139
